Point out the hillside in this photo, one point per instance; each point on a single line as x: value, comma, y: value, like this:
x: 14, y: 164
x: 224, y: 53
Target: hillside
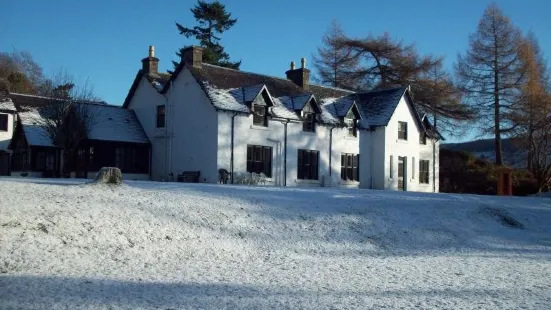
x: 195, y: 246
x: 485, y: 149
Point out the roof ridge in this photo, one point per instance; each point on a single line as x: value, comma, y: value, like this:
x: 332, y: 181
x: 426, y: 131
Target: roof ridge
x: 381, y: 90
x: 99, y: 103
x: 276, y: 77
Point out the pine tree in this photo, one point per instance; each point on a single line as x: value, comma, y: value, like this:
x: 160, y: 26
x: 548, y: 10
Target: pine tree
x: 333, y: 62
x: 213, y: 21
x: 489, y: 74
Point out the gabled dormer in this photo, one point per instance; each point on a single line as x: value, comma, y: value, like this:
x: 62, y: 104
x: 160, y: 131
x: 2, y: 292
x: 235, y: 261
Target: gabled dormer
x: 307, y: 107
x: 351, y: 119
x: 259, y: 100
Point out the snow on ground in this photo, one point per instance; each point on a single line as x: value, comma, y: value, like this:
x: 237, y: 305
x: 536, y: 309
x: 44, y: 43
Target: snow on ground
x: 195, y: 246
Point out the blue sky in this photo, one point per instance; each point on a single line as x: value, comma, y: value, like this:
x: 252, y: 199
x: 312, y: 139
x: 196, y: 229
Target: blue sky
x: 104, y: 40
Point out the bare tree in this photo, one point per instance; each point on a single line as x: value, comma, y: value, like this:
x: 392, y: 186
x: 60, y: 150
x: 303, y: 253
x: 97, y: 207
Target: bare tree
x: 333, y: 62
x: 68, y: 117
x: 384, y: 62
x: 22, y: 72
x: 489, y: 74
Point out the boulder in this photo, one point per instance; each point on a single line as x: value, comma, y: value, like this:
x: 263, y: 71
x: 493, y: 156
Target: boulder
x: 109, y: 175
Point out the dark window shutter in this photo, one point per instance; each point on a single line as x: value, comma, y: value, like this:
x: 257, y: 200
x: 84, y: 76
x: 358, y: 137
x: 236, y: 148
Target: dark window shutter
x: 355, y: 167
x: 300, y: 175
x: 267, y: 161
x: 314, y: 165
x: 249, y: 158
x: 343, y: 167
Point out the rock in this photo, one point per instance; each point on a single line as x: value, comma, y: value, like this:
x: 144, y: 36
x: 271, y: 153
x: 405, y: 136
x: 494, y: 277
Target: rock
x: 109, y: 175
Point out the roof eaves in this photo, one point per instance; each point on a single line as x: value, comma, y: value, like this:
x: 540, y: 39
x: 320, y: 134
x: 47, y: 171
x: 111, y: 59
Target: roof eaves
x: 132, y: 89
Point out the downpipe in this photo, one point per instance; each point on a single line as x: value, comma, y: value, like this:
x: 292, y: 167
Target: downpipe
x: 232, y: 144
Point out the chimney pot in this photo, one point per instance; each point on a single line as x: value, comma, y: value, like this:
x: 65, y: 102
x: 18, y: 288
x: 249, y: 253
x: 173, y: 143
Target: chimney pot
x: 303, y: 63
x: 292, y: 65
x: 150, y: 64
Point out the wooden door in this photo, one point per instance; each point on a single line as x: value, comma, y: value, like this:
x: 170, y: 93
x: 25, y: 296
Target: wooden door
x: 402, y: 166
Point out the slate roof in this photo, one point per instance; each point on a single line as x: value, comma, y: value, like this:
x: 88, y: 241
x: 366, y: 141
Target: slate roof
x: 109, y: 123
x: 377, y: 107
x: 223, y: 87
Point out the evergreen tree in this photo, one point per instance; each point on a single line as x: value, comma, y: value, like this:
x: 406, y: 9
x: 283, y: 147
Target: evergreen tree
x: 489, y: 74
x: 213, y: 21
x: 333, y: 62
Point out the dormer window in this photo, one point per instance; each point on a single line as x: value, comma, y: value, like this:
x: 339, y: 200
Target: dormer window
x: 260, y: 115
x: 309, y: 119
x: 350, y: 123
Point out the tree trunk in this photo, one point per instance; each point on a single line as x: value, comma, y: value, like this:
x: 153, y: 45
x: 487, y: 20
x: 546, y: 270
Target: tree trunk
x: 497, y: 119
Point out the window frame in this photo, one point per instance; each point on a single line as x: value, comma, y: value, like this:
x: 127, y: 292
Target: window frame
x: 423, y: 138
x: 257, y: 115
x: 259, y: 159
x: 307, y: 164
x: 350, y: 167
x: 402, y: 134
x: 309, y: 121
x: 4, y: 125
x: 161, y: 117
x: 424, y: 171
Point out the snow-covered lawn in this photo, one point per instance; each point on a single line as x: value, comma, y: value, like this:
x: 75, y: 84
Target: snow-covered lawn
x: 196, y: 246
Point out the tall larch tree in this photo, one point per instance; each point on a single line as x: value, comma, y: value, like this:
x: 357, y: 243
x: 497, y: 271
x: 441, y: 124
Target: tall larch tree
x: 532, y: 115
x: 333, y: 62
x: 488, y: 74
x: 213, y: 20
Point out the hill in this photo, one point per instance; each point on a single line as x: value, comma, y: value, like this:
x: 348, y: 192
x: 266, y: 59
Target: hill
x: 196, y: 246
x: 485, y: 149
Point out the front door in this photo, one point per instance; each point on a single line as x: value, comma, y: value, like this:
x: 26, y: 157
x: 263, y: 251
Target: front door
x: 402, y: 165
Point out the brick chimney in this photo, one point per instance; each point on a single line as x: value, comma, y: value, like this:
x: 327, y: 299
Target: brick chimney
x: 150, y: 64
x: 300, y: 76
x: 193, y: 55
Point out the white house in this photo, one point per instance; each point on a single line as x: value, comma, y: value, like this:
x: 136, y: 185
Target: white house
x: 205, y: 118
x: 7, y: 120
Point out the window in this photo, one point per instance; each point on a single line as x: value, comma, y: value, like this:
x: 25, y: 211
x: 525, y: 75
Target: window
x: 260, y: 115
x: 119, y: 158
x: 130, y: 159
x: 391, y: 166
x: 349, y: 167
x: 424, y: 171
x: 423, y: 138
x: 40, y: 163
x: 91, y: 157
x: 402, y: 130
x: 307, y: 168
x: 351, y: 126
x: 259, y: 159
x: 3, y: 122
x: 413, y: 168
x: 350, y: 122
x: 309, y: 122
x: 160, y: 116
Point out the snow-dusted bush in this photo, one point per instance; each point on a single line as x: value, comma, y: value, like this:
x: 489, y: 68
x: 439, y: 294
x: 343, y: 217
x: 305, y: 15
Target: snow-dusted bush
x: 109, y: 175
